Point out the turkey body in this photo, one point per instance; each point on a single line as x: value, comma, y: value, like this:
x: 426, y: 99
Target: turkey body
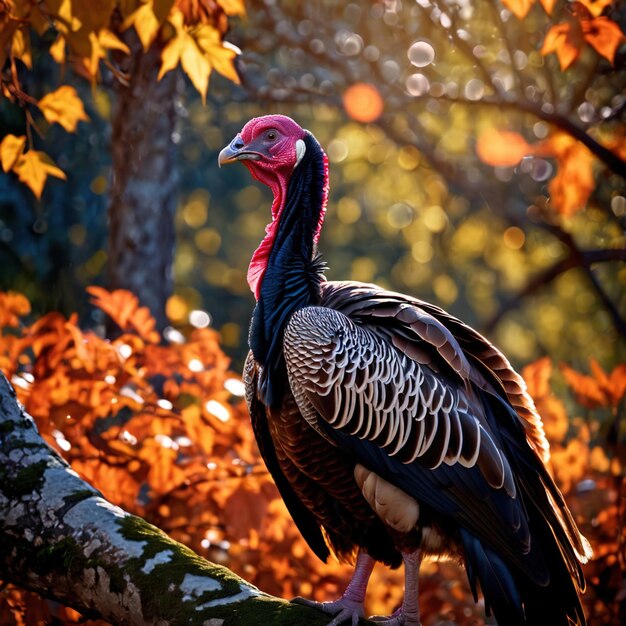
x: 390, y: 427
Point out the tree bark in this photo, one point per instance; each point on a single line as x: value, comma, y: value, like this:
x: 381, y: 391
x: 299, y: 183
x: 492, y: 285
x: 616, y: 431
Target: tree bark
x: 61, y: 538
x: 144, y: 180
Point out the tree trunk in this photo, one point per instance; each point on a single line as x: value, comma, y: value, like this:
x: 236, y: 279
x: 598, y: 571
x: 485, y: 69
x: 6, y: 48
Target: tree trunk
x: 144, y: 181
x: 60, y: 538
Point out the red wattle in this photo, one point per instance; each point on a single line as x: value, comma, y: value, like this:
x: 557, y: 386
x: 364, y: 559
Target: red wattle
x: 260, y: 259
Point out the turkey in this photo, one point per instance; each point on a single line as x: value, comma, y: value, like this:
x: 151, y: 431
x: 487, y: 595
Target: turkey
x: 394, y: 431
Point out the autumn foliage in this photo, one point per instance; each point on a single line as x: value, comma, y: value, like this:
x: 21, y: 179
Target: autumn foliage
x: 86, y: 35
x: 579, y: 25
x: 161, y: 428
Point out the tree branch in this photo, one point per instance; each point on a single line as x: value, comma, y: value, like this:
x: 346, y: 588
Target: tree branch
x: 573, y: 260
x: 59, y: 537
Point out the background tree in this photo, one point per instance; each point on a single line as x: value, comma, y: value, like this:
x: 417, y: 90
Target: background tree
x: 136, y: 45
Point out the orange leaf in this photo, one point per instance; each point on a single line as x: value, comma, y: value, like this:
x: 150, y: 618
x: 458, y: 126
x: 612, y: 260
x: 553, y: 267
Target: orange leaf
x: 11, y: 149
x: 604, y: 35
x: 147, y: 20
x: 588, y: 391
x: 221, y: 54
x: 595, y: 7
x: 571, y: 187
x: 13, y: 305
x: 502, y: 148
x: 566, y: 40
x: 537, y: 377
x: 34, y: 167
x: 20, y: 47
x: 232, y: 7
x: 123, y: 308
x: 64, y: 107
x: 548, y: 5
x: 519, y: 8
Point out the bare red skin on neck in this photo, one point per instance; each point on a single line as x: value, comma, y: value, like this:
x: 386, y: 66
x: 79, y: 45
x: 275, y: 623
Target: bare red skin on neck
x: 274, y: 172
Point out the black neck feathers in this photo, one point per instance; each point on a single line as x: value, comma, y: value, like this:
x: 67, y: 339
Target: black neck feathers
x: 294, y: 271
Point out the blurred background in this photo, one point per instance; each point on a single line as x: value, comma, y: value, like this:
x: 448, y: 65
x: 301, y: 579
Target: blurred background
x: 398, y: 93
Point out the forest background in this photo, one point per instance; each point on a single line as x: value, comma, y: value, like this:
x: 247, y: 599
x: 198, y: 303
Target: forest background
x: 477, y: 155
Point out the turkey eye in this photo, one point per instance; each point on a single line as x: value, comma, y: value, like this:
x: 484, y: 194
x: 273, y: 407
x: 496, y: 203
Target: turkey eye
x: 271, y: 135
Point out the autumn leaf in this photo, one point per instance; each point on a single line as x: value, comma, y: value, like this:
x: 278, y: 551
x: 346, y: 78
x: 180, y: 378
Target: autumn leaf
x: 20, y: 47
x: 57, y: 49
x: 573, y: 183
x: 232, y: 7
x: 64, y: 107
x: 502, y: 148
x: 34, y: 167
x: 604, y: 35
x: 537, y: 377
x: 519, y: 8
x: 11, y: 149
x: 565, y: 40
x: 548, y: 5
x: 13, y: 305
x: 123, y: 308
x: 147, y: 20
x: 198, y: 50
x: 595, y: 7
x: 598, y: 390
x: 552, y: 410
x: 221, y: 54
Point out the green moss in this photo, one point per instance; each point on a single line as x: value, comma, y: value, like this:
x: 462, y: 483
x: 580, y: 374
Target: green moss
x: 7, y: 427
x: 79, y: 496
x: 26, y: 481
x: 65, y: 554
x: 162, y: 598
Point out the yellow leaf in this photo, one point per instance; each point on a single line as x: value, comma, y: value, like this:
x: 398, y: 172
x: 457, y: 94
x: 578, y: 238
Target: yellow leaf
x: 33, y: 167
x: 145, y: 22
x: 502, y: 148
x: 61, y: 12
x: 64, y: 107
x: 57, y: 50
x: 11, y: 149
x: 172, y: 51
x: 110, y: 41
x: 519, y: 8
x: 221, y: 54
x: 96, y: 46
x: 232, y: 7
x: 170, y: 56
x: 20, y: 47
x: 93, y: 15
x: 127, y: 7
x: 548, y: 5
x: 196, y: 66
x: 565, y: 40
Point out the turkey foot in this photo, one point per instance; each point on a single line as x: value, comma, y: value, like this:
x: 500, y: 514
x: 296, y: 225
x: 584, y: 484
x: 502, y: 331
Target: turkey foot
x: 349, y: 608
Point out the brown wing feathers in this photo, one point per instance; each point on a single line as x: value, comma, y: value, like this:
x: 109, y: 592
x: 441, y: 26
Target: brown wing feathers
x: 403, y: 407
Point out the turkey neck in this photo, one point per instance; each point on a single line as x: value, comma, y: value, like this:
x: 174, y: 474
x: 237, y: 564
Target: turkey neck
x: 294, y: 271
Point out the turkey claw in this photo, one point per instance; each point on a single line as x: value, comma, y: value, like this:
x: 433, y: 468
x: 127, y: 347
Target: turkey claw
x: 396, y: 619
x: 343, y: 611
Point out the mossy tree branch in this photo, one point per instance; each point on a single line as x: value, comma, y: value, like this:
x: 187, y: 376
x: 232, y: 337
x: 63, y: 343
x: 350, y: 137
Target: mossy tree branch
x: 60, y: 538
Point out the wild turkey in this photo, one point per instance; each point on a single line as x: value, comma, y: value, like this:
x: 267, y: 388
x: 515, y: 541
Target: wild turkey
x: 393, y: 430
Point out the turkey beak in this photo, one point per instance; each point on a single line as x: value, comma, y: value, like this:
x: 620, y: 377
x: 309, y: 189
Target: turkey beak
x: 236, y: 150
